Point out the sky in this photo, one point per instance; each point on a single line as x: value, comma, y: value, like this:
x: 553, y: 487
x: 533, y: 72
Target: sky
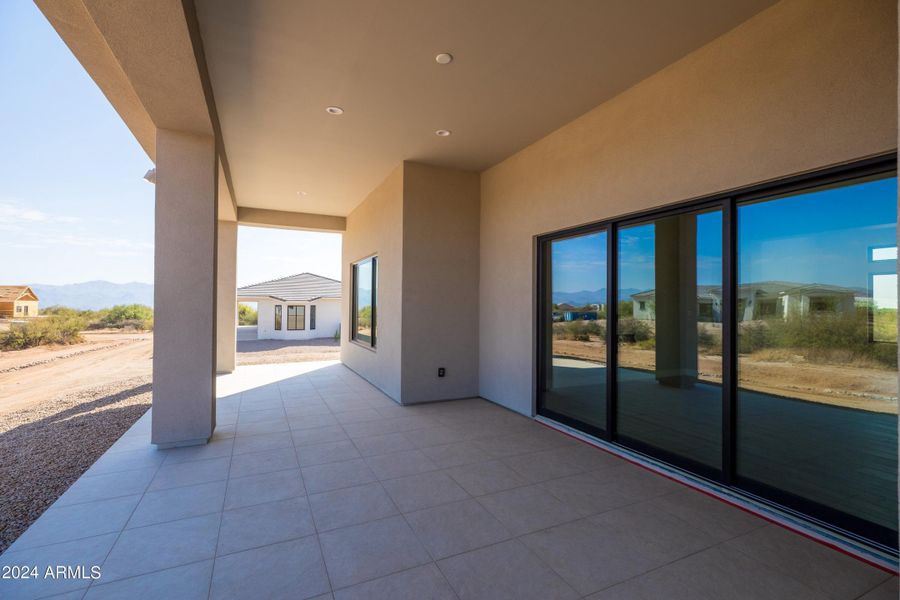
x: 74, y: 205
x: 824, y: 236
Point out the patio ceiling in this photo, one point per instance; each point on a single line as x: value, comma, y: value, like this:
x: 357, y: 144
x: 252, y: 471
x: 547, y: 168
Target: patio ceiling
x: 521, y: 69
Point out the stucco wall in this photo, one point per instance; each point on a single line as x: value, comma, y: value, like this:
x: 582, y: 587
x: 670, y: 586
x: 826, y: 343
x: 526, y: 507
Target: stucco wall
x: 32, y: 308
x: 803, y: 85
x: 328, y: 318
x: 376, y: 227
x: 440, y: 283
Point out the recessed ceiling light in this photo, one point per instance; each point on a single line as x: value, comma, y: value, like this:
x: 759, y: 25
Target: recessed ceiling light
x: 443, y: 132
x: 334, y: 110
x: 301, y: 193
x: 444, y: 58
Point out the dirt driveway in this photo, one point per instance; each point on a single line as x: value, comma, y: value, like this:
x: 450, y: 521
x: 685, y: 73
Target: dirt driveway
x: 29, y: 377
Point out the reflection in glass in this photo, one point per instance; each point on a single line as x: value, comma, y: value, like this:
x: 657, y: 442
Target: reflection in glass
x: 363, y: 293
x: 575, y: 376
x: 670, y: 336
x: 817, y: 341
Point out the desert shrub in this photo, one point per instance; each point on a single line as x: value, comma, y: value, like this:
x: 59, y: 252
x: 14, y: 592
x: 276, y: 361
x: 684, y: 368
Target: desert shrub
x: 55, y: 329
x: 247, y: 315
x: 635, y: 329
x: 579, y: 331
x: 122, y: 316
x: 708, y: 341
x: 753, y: 336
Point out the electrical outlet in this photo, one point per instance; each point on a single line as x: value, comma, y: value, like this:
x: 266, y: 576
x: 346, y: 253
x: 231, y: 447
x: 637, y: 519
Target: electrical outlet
x: 441, y: 371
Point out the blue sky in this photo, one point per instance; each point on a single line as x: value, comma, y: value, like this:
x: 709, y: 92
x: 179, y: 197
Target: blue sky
x: 819, y: 237
x: 73, y: 203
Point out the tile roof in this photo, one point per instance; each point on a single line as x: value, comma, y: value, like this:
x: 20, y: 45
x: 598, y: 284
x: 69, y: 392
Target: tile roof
x: 303, y: 287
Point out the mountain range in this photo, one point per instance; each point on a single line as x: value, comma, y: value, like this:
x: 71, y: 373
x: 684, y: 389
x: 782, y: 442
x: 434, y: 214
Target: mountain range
x: 584, y: 297
x: 94, y: 295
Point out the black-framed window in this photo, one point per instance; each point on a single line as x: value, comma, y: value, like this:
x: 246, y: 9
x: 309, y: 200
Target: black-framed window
x: 754, y: 340
x: 277, y: 317
x: 363, y: 310
x: 312, y: 316
x: 296, y: 317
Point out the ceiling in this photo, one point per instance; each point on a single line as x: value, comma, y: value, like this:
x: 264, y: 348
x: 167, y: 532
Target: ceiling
x: 521, y: 69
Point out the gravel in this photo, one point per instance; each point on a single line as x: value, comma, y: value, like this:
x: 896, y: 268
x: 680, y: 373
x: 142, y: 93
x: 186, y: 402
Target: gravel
x: 44, y: 449
x: 260, y: 352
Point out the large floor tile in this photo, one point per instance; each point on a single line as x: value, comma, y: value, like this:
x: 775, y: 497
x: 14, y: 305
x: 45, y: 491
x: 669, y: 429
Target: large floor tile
x: 65, y: 523
x: 263, y: 524
x: 329, y: 452
x: 375, y: 549
x: 332, y: 476
x: 424, y: 490
x: 178, y: 503
x: 505, y: 571
x: 262, y: 442
x: 831, y: 574
x: 88, y: 552
x: 351, y: 506
x: 291, y: 569
x: 259, y: 463
x: 889, y: 590
x: 157, y: 547
x: 318, y: 435
x: 111, y: 485
x: 527, y: 509
x: 214, y: 449
x: 714, y: 517
x: 454, y: 455
x: 383, y: 444
x: 457, y: 527
x: 420, y: 583
x: 190, y: 473
x: 486, y: 478
x: 400, y: 464
x: 143, y: 458
x: 718, y: 572
x: 256, y: 489
x: 188, y: 582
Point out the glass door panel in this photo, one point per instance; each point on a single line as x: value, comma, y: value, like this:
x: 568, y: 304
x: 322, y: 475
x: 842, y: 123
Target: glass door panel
x: 574, y: 378
x: 817, y: 342
x: 669, y: 332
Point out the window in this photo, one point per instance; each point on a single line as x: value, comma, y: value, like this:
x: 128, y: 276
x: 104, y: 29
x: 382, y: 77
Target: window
x: 363, y: 310
x: 296, y: 318
x: 18, y: 308
x: 277, y: 317
x: 749, y: 338
x: 312, y: 316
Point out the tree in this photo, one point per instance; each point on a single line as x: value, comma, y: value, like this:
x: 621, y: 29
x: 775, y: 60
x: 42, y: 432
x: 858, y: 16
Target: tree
x: 247, y: 315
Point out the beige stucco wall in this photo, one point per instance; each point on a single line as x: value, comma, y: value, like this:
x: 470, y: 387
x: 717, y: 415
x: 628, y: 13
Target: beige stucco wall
x: 440, y: 283
x: 375, y: 227
x: 803, y: 85
x: 226, y: 293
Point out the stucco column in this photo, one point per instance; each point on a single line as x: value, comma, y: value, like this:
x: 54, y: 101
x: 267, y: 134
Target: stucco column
x: 184, y: 351
x: 226, y: 299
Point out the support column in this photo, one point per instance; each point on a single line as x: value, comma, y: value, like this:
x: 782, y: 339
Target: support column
x: 184, y: 351
x: 226, y: 298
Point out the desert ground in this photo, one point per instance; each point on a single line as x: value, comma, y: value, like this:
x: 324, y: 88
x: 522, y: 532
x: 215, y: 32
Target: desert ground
x: 864, y: 388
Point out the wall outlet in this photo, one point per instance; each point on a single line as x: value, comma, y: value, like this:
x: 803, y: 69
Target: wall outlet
x: 441, y: 371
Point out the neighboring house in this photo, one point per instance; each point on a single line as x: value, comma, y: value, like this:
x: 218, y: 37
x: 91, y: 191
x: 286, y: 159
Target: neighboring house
x: 760, y: 300
x: 299, y: 307
x: 17, y: 301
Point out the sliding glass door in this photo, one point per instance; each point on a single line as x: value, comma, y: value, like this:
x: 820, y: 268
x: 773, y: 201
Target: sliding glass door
x: 669, y: 331
x: 574, y: 378
x: 817, y: 362
x: 750, y: 339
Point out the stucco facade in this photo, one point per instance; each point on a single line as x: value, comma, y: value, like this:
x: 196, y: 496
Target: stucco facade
x: 328, y: 320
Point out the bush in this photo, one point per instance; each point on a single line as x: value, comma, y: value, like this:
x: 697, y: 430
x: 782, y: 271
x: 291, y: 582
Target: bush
x: 247, y: 315
x: 579, y: 331
x: 635, y: 329
x: 55, y: 329
x: 123, y: 316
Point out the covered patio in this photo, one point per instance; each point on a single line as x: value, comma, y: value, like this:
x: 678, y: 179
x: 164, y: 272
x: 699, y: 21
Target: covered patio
x: 317, y: 485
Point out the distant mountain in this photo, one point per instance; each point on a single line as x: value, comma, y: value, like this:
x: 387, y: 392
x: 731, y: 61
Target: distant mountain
x: 94, y: 295
x: 590, y: 297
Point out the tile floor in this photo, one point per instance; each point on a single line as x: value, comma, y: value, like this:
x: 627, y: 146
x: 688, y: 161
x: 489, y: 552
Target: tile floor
x: 316, y: 485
